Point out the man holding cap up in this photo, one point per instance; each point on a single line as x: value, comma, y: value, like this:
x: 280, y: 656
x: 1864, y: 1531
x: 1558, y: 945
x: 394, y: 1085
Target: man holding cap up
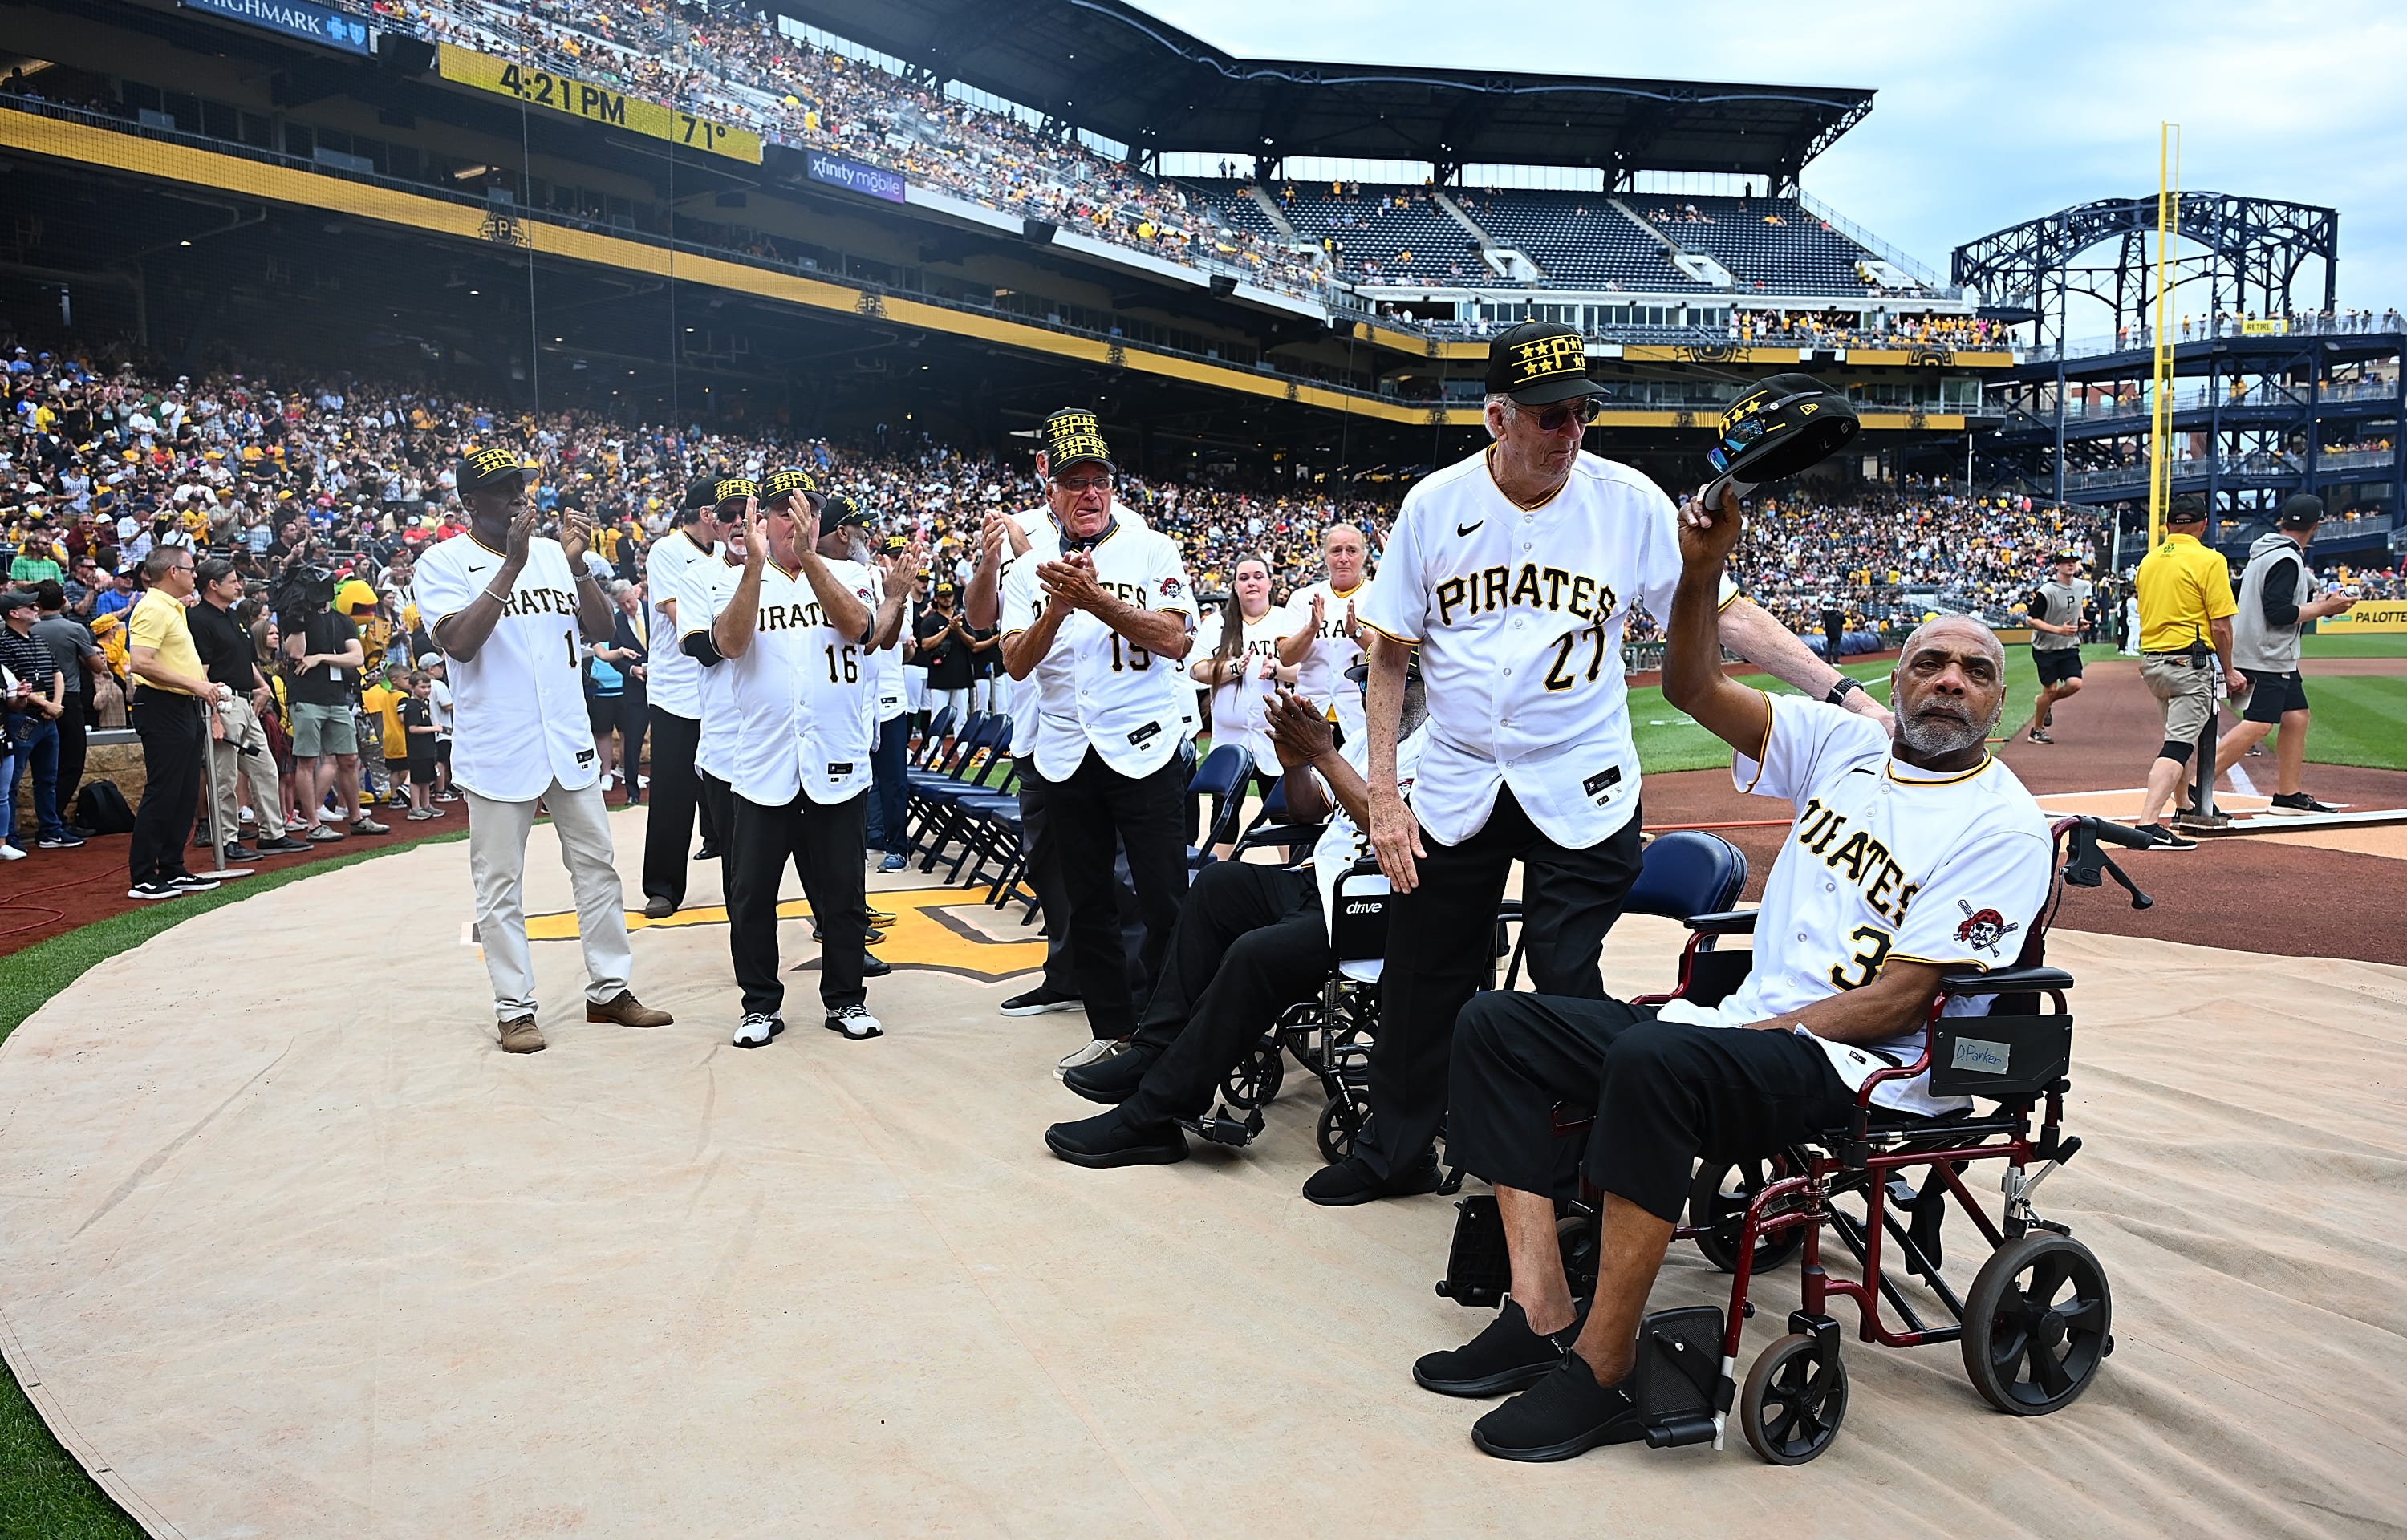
x: 673, y: 687
x: 1514, y: 573
x: 506, y: 606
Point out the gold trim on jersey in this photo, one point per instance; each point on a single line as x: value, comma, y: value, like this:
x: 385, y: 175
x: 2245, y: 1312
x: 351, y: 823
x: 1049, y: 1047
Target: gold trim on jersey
x: 1763, y: 748
x: 1399, y: 641
x: 482, y: 546
x: 1886, y: 769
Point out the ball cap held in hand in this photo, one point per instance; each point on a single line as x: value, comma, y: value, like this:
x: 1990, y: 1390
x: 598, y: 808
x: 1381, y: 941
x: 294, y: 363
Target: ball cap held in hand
x: 1539, y: 363
x: 1073, y: 434
x: 1783, y: 424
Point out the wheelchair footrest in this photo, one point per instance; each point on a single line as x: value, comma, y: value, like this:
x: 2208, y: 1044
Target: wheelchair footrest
x: 1226, y: 1127
x: 1681, y: 1385
x: 1478, y: 1271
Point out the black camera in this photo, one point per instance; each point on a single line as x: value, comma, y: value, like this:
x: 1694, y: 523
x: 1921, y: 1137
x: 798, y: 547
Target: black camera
x: 300, y: 595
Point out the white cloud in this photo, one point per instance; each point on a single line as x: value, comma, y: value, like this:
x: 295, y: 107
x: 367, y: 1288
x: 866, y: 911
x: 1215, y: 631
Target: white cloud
x: 1988, y: 114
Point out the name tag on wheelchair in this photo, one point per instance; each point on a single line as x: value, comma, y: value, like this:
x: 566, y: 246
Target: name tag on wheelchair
x: 1998, y: 1057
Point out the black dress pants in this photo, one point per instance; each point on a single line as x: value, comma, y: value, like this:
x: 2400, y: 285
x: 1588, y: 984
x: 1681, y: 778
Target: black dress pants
x: 827, y: 844
x: 72, y: 750
x: 1061, y: 975
x: 716, y: 800
x: 1087, y: 812
x: 1249, y: 942
x: 169, y: 728
x: 1440, y: 950
x: 1664, y: 1093
x: 668, y: 834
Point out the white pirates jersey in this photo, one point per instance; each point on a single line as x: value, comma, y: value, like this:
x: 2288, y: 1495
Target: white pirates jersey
x: 886, y: 664
x: 1241, y: 708
x: 518, y: 705
x: 1883, y: 862
x: 1321, y: 677
x: 1518, y: 613
x: 672, y: 680
x: 804, y: 714
x: 1343, y: 843
x: 1093, y: 688
x: 1044, y: 539
x: 705, y: 589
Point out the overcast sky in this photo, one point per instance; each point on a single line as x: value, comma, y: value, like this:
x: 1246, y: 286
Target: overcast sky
x: 1987, y: 114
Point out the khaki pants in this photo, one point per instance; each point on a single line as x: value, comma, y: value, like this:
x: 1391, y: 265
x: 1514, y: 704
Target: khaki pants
x: 243, y: 763
x: 497, y: 839
x: 2184, y: 694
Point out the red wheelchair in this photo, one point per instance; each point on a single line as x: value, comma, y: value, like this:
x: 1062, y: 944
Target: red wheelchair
x: 2036, y: 1321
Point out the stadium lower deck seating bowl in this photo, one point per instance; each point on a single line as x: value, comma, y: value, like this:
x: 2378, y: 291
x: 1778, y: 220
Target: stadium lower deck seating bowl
x: 1579, y: 240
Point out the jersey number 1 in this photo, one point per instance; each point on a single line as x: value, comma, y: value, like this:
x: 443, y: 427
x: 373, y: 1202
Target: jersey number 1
x: 1136, y: 657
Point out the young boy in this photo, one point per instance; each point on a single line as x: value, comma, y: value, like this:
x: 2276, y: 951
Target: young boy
x: 417, y: 713
x: 440, y: 698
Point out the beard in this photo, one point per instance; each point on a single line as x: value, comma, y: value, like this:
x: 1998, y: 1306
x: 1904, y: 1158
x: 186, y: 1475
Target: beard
x: 856, y: 547
x: 1942, y: 728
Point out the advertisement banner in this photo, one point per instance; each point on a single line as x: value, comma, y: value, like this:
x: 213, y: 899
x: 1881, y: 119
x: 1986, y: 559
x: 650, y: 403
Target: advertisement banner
x: 868, y: 180
x: 294, y: 18
x: 595, y: 104
x: 2370, y: 616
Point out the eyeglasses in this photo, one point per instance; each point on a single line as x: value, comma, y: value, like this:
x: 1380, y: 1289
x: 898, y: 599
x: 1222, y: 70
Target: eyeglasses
x: 1100, y: 482
x: 1550, y: 419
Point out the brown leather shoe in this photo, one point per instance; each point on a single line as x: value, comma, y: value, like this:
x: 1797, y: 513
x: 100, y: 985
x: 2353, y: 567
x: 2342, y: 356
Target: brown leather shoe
x: 520, y: 1035
x: 627, y: 1010
x: 658, y: 907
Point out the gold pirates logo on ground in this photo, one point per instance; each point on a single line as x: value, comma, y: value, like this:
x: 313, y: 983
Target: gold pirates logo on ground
x: 939, y: 929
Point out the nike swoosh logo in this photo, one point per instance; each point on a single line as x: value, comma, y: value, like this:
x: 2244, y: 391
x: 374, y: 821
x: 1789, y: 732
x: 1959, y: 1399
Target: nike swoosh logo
x: 1466, y: 529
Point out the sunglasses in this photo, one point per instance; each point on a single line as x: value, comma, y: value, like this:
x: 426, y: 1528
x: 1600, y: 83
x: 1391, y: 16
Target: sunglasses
x: 1551, y: 419
x: 1097, y: 482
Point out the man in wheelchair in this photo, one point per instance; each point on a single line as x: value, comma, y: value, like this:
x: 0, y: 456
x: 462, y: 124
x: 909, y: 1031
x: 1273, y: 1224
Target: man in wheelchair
x: 1913, y: 854
x: 1251, y: 940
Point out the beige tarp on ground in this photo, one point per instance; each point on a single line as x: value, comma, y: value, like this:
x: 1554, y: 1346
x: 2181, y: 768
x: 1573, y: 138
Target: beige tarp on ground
x: 289, y: 1248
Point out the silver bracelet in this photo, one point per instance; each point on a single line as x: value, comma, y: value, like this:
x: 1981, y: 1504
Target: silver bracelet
x: 498, y: 599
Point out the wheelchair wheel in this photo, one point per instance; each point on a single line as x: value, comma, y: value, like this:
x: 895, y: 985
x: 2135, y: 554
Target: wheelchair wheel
x: 1340, y: 1121
x: 1255, y: 1078
x: 1718, y: 1197
x: 1791, y: 1405
x: 2037, y: 1323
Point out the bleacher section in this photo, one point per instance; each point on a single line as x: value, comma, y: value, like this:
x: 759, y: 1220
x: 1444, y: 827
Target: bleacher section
x: 1578, y: 240
x: 1800, y: 254
x: 1235, y: 205
x: 1378, y: 224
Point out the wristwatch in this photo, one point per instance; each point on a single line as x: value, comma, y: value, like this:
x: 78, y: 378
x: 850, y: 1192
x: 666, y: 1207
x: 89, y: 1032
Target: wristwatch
x: 1839, y: 692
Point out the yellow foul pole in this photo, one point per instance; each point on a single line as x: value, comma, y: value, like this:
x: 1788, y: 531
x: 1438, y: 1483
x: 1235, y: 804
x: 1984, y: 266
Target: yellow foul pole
x: 2160, y: 414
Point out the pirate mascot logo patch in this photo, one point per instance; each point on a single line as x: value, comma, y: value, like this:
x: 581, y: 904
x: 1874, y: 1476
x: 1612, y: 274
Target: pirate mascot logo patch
x: 1984, y: 929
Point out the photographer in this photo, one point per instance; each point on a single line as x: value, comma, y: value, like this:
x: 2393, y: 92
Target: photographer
x: 327, y: 657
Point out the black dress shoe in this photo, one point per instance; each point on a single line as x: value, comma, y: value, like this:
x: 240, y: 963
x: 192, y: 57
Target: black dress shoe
x: 708, y: 852
x: 872, y: 966
x: 236, y: 854
x: 1507, y: 1356
x: 1113, y: 1080
x: 1565, y: 1413
x: 1040, y: 1000
x: 1351, y: 1181
x: 1106, y: 1140
x: 868, y: 937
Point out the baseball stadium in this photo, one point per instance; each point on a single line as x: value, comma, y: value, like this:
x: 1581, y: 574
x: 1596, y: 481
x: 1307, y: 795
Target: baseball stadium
x: 1057, y: 536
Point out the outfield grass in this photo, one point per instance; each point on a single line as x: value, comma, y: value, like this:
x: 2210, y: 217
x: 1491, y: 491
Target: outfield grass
x: 44, y: 1495
x: 2378, y: 644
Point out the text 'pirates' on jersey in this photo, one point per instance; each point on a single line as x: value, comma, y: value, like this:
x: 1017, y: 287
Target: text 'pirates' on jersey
x: 804, y: 707
x: 1519, y: 613
x: 1094, y: 688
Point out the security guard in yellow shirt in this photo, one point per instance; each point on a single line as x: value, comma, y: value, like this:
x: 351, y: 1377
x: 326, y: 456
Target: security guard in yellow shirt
x: 2185, y: 609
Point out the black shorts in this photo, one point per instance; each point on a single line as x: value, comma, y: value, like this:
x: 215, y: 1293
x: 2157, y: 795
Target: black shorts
x: 2269, y: 694
x: 2057, y: 665
x: 422, y: 769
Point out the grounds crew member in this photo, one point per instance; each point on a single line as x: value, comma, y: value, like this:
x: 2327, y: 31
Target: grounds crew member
x: 1095, y: 614
x: 2185, y: 609
x: 2276, y: 598
x: 793, y: 634
x: 1514, y: 573
x: 673, y: 683
x: 506, y: 606
x: 2056, y: 606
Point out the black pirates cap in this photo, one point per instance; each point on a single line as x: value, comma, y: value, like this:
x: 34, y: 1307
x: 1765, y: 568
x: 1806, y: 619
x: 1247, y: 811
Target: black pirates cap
x: 2068, y: 556
x: 840, y: 512
x: 895, y: 544
x: 697, y: 494
x: 777, y: 484
x: 733, y: 489
x: 1539, y: 363
x: 1073, y: 434
x: 2301, y: 509
x: 484, y: 470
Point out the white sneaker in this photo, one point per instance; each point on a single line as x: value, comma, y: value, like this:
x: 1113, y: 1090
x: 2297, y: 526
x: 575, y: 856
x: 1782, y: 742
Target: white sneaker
x: 855, y: 1022
x: 10, y: 853
x: 1095, y: 1051
x: 757, y: 1029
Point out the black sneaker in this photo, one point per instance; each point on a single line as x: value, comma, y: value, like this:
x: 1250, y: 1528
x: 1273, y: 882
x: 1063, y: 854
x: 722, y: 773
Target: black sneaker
x: 2038, y: 734
x: 1351, y: 1181
x: 186, y: 882
x: 1507, y: 1356
x: 155, y: 890
x: 1037, y: 1001
x: 58, y: 841
x: 2161, y: 837
x: 2290, y: 804
x: 236, y: 854
x: 1113, y: 1080
x: 1565, y: 1413
x: 1107, y: 1140
x: 283, y: 845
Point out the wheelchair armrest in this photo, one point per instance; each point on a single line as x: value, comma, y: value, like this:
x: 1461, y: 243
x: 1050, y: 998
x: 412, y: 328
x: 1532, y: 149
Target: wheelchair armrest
x: 1282, y: 834
x: 2006, y: 980
x: 1728, y: 922
x: 1365, y: 865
